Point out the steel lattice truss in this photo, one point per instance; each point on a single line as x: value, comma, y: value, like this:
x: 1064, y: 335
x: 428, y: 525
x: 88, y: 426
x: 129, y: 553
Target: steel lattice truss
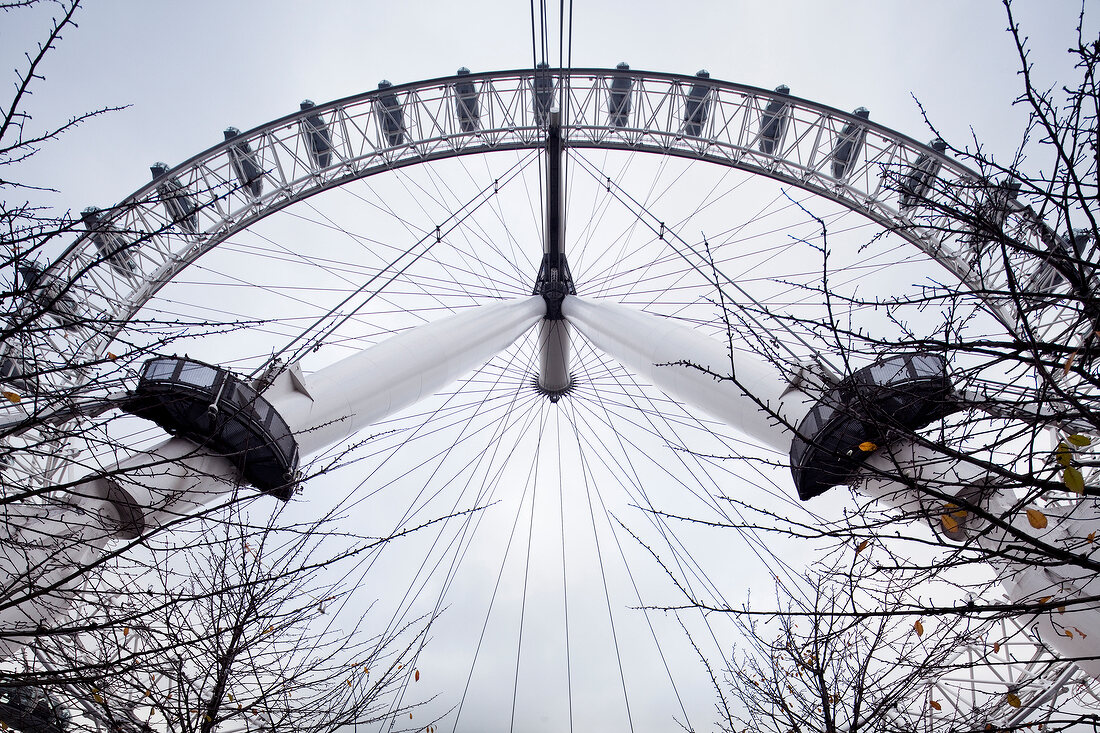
x: 140, y: 244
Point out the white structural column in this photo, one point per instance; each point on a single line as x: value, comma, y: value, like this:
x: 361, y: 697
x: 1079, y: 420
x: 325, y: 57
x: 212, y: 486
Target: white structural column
x: 334, y: 403
x: 554, y: 374
x: 1066, y: 588
x: 698, y: 370
x: 46, y: 549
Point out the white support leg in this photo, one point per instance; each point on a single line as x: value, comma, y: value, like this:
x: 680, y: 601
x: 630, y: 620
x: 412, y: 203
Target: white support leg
x: 700, y: 371
x: 554, y: 375
x: 338, y: 401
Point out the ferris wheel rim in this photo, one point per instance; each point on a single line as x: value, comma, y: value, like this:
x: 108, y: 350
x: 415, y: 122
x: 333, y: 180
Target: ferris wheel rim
x: 146, y: 225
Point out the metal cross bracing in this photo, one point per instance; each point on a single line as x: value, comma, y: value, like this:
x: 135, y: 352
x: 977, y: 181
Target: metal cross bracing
x: 1008, y: 679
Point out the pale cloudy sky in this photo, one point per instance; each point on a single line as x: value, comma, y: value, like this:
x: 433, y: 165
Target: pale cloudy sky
x: 187, y: 70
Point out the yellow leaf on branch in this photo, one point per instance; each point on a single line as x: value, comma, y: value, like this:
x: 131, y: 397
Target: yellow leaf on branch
x: 868, y: 447
x: 950, y: 524
x: 1079, y: 440
x: 11, y: 396
x: 1073, y: 480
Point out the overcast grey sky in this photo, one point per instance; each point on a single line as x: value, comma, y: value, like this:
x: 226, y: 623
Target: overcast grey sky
x: 187, y: 70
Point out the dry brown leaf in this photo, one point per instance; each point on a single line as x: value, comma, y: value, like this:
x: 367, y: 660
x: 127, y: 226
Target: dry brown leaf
x: 861, y: 546
x: 935, y: 705
x: 1013, y: 699
x: 1065, y: 372
x: 918, y: 627
x: 1037, y: 519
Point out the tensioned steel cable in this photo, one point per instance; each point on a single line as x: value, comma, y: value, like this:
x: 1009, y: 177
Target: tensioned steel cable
x: 501, y: 426
x: 758, y: 546
x: 587, y: 470
x: 564, y: 573
x: 533, y: 480
x: 534, y: 46
x: 659, y: 523
x: 606, y: 594
x: 486, y: 193
x: 658, y: 227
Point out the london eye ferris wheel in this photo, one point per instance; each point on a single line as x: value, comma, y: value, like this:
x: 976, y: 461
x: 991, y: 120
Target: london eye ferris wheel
x: 532, y: 318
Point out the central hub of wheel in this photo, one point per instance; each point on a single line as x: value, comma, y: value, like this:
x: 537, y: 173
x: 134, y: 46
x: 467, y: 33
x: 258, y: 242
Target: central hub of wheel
x: 554, y: 280
x: 553, y: 284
